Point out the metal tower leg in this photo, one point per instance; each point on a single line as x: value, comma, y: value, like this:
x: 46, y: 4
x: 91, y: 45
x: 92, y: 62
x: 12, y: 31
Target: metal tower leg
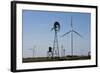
x: 55, y: 46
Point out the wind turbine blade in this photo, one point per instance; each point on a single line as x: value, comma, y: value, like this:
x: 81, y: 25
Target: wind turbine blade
x: 77, y: 33
x: 65, y: 34
x: 71, y: 22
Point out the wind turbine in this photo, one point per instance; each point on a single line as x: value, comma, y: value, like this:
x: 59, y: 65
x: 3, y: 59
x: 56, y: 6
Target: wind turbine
x: 72, y: 31
x: 63, y: 51
x: 56, y: 28
x: 33, y: 51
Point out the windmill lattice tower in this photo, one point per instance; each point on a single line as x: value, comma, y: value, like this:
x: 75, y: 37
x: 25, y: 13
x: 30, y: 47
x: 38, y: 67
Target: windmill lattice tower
x: 56, y: 28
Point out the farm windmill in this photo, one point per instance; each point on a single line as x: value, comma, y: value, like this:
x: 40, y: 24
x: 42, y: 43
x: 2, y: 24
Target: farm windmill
x: 56, y: 28
x: 72, y: 31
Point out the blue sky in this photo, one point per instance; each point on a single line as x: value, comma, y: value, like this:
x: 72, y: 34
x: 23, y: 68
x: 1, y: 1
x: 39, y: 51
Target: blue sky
x: 37, y: 32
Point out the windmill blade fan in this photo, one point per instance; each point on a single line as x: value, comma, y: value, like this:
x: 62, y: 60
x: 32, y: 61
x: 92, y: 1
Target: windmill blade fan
x: 77, y: 33
x: 66, y: 33
x: 56, y: 26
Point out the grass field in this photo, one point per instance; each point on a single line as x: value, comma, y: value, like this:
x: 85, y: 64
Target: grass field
x: 43, y: 59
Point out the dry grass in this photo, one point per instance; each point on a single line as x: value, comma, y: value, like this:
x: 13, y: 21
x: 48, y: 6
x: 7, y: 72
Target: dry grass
x: 67, y: 58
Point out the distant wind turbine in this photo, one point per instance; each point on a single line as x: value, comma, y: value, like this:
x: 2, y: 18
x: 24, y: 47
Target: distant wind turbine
x: 33, y: 50
x: 72, y: 31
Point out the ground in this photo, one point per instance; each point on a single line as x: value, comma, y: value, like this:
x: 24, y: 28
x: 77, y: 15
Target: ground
x: 66, y: 58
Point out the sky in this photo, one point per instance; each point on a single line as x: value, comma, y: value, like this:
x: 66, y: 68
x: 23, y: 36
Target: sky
x: 37, y: 34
